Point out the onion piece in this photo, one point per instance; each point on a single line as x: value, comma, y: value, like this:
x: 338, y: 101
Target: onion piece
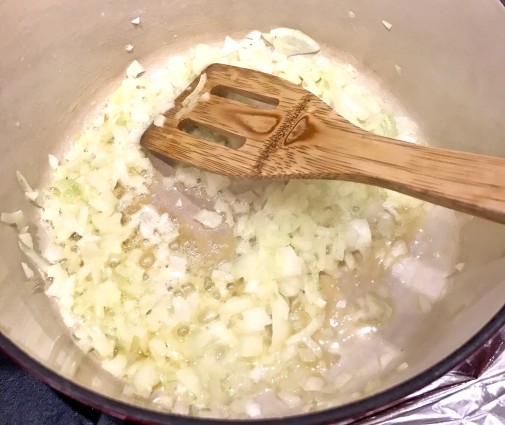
x: 53, y: 162
x: 16, y: 218
x: 27, y: 271
x: 124, y: 276
x: 192, y: 98
x: 387, y: 25
x: 26, y: 239
x: 134, y: 70
x: 25, y: 187
x: 290, y: 42
x: 36, y: 259
x: 210, y: 219
x: 159, y: 120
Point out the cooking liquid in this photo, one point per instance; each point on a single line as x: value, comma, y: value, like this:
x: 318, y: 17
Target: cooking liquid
x: 345, y: 327
x: 365, y: 304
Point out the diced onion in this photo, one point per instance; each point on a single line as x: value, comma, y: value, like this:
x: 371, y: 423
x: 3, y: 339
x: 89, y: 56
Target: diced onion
x: 209, y: 219
x: 134, y: 70
x: 27, y: 271
x: 16, y: 218
x: 248, y: 335
x: 387, y: 25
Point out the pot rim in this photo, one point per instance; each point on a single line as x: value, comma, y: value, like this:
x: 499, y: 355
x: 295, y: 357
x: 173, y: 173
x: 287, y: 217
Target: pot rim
x: 353, y: 410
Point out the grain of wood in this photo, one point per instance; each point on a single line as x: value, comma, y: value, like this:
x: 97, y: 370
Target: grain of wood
x: 302, y: 137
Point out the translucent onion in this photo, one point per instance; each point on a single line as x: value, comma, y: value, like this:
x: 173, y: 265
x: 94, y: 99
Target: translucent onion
x: 239, y: 338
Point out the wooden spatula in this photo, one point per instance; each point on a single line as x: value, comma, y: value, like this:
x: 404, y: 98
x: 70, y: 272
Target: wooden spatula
x: 290, y: 133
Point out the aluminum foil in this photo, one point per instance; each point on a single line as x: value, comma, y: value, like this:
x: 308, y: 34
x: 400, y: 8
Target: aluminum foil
x: 471, y: 394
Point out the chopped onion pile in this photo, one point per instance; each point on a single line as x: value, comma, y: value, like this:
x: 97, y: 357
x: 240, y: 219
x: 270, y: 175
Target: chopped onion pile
x: 264, y: 332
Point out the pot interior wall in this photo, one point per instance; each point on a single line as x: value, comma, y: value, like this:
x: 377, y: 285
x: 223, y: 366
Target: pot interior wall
x: 61, y: 57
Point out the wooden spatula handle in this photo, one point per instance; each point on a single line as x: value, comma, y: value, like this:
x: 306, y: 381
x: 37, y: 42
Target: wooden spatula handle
x: 302, y: 137
x: 466, y: 182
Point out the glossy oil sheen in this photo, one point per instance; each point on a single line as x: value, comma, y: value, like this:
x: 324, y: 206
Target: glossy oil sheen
x: 58, y: 58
